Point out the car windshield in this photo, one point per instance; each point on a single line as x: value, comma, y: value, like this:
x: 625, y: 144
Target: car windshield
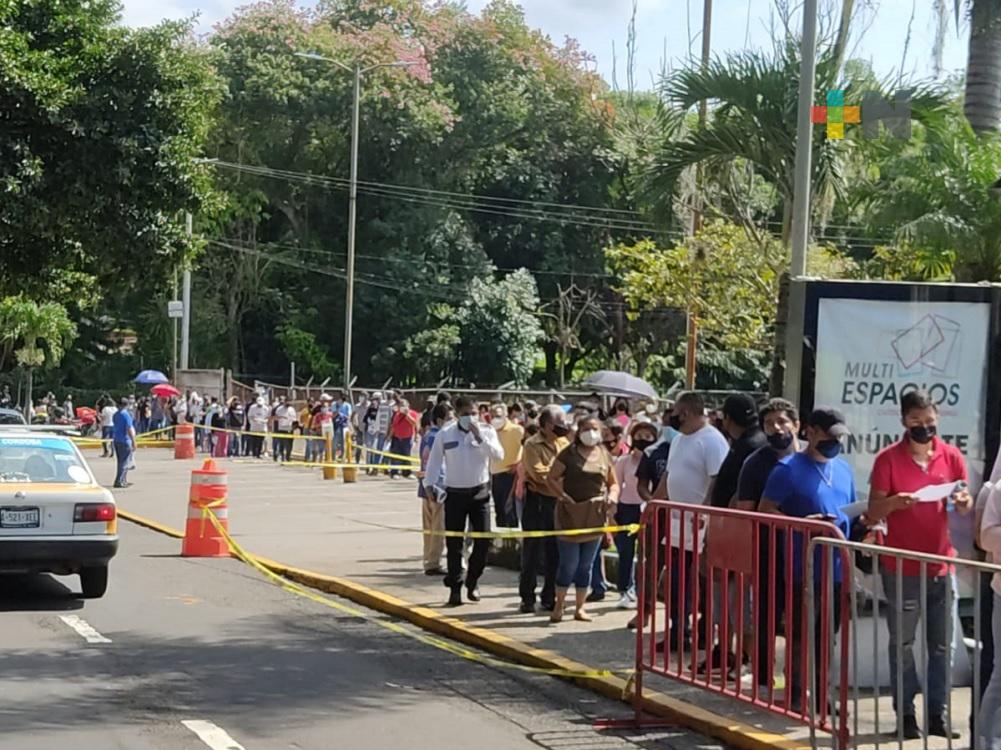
x: 11, y: 417
x: 40, y: 459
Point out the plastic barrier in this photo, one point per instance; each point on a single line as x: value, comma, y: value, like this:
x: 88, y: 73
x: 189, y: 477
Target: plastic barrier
x: 208, y: 496
x: 184, y: 441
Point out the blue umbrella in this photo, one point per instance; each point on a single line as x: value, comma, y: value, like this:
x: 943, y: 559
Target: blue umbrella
x: 151, y: 377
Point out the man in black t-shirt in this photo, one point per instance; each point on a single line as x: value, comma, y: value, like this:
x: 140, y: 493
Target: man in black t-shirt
x: 740, y: 422
x: 780, y: 422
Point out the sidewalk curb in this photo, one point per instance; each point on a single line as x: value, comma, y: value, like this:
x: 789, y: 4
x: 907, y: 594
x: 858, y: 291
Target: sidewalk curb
x: 735, y: 733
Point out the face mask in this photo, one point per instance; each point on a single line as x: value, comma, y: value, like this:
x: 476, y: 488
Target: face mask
x: 590, y: 438
x: 498, y: 422
x: 561, y: 430
x: 668, y: 433
x: 676, y: 422
x: 923, y: 435
x: 780, y: 440
x: 829, y: 448
x: 642, y: 445
x: 465, y: 422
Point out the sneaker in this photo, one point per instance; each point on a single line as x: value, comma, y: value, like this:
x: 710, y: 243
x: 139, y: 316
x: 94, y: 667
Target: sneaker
x: 455, y: 598
x: 625, y: 602
x: 473, y: 593
x: 911, y: 730
x: 717, y: 662
x: 526, y: 608
x: 434, y: 572
x: 938, y: 726
x: 632, y: 595
x: 595, y: 596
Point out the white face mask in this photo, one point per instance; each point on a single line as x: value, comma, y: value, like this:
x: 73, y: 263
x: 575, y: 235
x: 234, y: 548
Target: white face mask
x: 590, y: 438
x: 498, y: 422
x: 465, y: 421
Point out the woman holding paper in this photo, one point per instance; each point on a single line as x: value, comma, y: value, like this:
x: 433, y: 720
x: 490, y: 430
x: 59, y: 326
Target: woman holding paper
x: 912, y: 483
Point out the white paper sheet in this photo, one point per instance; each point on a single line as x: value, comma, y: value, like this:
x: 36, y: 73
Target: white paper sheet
x: 935, y: 492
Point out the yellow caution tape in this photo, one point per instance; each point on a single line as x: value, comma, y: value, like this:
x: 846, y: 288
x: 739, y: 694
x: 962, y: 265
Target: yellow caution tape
x: 439, y: 643
x: 139, y: 438
x: 292, y: 436
x: 631, y: 528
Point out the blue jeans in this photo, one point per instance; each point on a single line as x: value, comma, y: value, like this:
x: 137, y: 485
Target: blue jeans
x: 401, y: 447
x: 339, y: 442
x: 107, y: 449
x: 576, y: 562
x: 989, y: 721
x: 625, y: 543
x: 904, y: 623
x: 123, y: 452
x: 598, y: 585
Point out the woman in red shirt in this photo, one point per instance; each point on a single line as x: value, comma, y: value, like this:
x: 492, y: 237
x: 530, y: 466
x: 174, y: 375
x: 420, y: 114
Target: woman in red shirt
x: 402, y: 429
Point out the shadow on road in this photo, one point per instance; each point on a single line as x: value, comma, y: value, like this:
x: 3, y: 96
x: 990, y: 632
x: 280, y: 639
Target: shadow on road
x: 38, y: 593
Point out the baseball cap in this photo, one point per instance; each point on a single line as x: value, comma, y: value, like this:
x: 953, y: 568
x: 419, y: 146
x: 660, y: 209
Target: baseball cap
x: 829, y: 420
x: 741, y: 409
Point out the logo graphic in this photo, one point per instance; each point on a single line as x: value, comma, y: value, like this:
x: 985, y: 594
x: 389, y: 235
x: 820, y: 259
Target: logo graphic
x: 895, y: 116
x: 931, y: 344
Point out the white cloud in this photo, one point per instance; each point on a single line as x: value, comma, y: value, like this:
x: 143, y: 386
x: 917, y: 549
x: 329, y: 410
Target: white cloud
x: 150, y: 12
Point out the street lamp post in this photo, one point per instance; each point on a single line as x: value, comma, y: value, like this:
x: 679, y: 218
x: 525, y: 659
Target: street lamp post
x: 358, y: 71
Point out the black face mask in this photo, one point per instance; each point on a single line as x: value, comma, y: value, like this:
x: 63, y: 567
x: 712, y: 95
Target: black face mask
x: 642, y: 445
x: 829, y: 448
x: 561, y: 430
x: 676, y: 422
x: 922, y: 434
x: 780, y: 440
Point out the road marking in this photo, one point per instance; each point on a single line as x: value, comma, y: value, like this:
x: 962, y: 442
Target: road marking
x: 213, y: 736
x: 84, y: 629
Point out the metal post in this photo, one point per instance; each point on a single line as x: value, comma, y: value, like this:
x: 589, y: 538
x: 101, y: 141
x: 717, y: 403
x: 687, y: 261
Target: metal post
x: 352, y: 218
x: 804, y: 139
x: 186, y: 299
x: 173, y: 368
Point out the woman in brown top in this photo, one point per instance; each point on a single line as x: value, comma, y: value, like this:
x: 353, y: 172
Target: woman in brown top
x: 583, y: 481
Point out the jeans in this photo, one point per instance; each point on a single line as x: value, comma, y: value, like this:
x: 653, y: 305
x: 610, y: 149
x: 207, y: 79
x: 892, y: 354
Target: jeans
x: 339, y: 443
x: 903, y: 625
x: 538, y: 514
x: 771, y: 599
x: 401, y: 447
x: 108, y: 448
x: 800, y: 618
x: 281, y: 445
x: 625, y: 543
x: 374, y: 442
x: 234, y: 444
x: 598, y: 585
x: 464, y: 504
x: 501, y: 488
x: 989, y: 725
x: 987, y: 609
x: 576, y: 561
x: 123, y: 452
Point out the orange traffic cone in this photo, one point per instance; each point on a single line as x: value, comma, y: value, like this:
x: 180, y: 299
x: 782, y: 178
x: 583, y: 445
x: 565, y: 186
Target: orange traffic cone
x: 208, y: 495
x: 184, y: 440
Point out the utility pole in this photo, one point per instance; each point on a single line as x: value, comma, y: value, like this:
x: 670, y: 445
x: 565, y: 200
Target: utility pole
x: 186, y: 301
x: 352, y: 219
x: 804, y: 141
x: 800, y: 234
x: 358, y: 71
x: 692, y: 337
x: 173, y: 368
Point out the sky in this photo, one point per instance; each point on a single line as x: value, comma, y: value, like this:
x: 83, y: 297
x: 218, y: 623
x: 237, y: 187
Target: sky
x: 663, y: 25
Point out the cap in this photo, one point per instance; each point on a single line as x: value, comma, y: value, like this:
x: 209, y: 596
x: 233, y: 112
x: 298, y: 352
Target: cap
x: 741, y: 409
x: 377, y: 394
x: 829, y: 420
x: 325, y: 397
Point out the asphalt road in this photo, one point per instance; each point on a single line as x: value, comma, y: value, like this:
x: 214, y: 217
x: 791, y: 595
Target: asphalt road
x: 209, y: 642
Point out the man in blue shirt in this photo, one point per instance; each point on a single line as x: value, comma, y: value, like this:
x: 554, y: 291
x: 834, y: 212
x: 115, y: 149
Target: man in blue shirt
x: 124, y: 436
x: 816, y: 485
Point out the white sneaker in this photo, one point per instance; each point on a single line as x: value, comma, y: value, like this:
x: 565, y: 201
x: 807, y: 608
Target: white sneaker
x: 625, y: 602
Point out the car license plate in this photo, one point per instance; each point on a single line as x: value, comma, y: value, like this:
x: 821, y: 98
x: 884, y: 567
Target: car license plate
x: 19, y: 518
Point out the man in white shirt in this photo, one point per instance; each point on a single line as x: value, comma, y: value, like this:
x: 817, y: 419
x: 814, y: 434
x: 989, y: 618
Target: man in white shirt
x: 464, y: 450
x: 284, y: 420
x: 697, y: 452
x: 258, y: 416
x: 108, y: 427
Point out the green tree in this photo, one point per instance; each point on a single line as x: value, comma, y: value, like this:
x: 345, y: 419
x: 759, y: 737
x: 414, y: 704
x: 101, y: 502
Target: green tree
x: 34, y: 334
x: 100, y: 127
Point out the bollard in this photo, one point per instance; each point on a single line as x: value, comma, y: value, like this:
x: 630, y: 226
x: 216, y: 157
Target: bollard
x: 329, y: 472
x: 350, y: 472
x: 184, y: 440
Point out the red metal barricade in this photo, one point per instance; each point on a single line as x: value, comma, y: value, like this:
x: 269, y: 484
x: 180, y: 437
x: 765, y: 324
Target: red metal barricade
x: 725, y: 577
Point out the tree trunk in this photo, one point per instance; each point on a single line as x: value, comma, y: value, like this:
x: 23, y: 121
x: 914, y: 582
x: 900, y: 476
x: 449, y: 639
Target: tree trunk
x: 982, y: 104
x: 844, y: 32
x: 551, y: 374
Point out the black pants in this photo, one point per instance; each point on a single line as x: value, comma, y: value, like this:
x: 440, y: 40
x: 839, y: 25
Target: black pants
x: 256, y: 445
x: 281, y: 446
x: 501, y: 487
x: 799, y: 620
x: 768, y: 587
x: 986, y: 641
x: 539, y: 514
x: 464, y: 504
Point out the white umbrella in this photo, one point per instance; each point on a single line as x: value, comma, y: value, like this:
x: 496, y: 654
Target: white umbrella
x: 615, y: 383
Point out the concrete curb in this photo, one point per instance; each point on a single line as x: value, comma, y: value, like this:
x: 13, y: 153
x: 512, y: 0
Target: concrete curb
x: 684, y: 714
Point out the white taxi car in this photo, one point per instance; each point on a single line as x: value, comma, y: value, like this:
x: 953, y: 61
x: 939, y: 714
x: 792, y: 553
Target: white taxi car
x: 54, y: 516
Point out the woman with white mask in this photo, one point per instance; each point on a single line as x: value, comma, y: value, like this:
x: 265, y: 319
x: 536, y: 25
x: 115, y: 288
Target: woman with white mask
x: 583, y: 481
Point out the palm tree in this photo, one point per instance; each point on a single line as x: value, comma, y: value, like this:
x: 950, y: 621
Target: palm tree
x: 982, y: 104
x: 37, y: 334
